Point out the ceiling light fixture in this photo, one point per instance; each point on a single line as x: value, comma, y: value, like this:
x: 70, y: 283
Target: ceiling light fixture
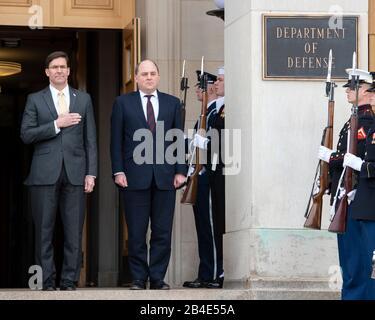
x: 8, y: 68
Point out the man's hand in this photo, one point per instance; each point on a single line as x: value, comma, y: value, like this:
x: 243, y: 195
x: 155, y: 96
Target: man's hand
x: 89, y: 184
x: 352, y: 161
x: 120, y: 179
x: 324, y: 153
x: 179, y: 179
x: 68, y: 119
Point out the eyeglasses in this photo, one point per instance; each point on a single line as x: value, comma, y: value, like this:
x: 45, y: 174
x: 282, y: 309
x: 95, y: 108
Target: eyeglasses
x: 58, y: 67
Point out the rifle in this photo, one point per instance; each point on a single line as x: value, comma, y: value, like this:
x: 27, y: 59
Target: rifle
x: 183, y: 89
x: 190, y: 193
x: 313, y: 214
x: 338, y: 221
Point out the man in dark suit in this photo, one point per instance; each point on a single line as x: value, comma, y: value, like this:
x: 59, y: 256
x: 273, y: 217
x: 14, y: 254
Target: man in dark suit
x: 148, y: 185
x: 59, y: 122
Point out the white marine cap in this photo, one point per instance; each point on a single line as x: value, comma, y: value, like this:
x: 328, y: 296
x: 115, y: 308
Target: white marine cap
x: 364, y: 76
x: 219, y: 4
x: 220, y: 71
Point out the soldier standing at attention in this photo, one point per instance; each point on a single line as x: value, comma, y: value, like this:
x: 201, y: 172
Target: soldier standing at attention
x: 202, y: 208
x: 348, y: 243
x: 363, y: 211
x: 216, y: 178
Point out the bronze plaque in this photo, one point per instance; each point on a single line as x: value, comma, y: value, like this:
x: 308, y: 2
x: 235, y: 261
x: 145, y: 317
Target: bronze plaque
x: 297, y: 47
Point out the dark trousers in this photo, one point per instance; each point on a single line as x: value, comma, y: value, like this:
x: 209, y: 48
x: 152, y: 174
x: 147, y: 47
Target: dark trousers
x: 205, y: 231
x: 141, y: 207
x: 44, y: 203
x: 355, y: 253
x: 217, y: 187
x: 368, y: 241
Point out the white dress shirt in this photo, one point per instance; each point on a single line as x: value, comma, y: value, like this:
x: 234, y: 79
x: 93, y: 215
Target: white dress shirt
x: 154, y: 101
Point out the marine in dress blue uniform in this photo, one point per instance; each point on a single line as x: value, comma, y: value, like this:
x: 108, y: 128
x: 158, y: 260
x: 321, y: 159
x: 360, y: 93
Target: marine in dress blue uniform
x: 349, y: 242
x: 362, y: 210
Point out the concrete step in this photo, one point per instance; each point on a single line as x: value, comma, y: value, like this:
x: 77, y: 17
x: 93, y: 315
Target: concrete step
x: 252, y: 289
x: 174, y: 294
x: 126, y: 294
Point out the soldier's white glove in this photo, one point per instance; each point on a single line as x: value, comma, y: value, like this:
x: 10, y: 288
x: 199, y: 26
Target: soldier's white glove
x: 351, y: 195
x: 324, y: 153
x: 352, y: 161
x: 200, y: 142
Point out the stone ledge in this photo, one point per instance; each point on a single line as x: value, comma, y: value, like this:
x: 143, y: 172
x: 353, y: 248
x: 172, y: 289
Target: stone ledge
x: 126, y: 294
x: 174, y: 294
x: 277, y: 283
x: 286, y: 289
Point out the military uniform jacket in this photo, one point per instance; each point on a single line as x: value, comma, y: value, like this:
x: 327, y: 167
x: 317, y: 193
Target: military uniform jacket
x: 365, y: 121
x: 215, y: 146
x: 363, y: 206
x: 210, y: 117
x: 216, y: 177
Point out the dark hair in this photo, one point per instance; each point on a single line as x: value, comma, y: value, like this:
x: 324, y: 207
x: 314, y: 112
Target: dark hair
x: 55, y: 55
x: 137, y: 66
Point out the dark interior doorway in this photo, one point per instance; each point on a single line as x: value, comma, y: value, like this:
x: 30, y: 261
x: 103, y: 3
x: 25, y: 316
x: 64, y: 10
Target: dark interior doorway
x: 30, y: 47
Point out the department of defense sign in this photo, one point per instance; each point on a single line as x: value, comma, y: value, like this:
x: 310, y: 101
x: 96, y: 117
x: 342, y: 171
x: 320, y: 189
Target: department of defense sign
x: 297, y: 47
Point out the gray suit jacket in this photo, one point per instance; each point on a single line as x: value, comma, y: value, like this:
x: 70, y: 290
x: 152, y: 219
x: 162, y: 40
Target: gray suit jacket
x: 74, y: 146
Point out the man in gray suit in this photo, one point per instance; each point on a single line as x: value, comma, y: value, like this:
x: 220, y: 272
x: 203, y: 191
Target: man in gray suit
x: 59, y: 122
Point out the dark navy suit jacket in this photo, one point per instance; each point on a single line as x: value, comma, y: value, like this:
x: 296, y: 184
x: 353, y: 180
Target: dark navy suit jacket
x: 127, y: 118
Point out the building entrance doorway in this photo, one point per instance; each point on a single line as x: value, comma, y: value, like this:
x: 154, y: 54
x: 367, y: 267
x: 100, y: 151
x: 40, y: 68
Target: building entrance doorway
x: 98, y: 67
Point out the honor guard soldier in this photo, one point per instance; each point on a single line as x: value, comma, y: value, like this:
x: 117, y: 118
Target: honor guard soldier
x: 202, y: 208
x: 216, y: 178
x: 349, y: 242
x: 363, y: 211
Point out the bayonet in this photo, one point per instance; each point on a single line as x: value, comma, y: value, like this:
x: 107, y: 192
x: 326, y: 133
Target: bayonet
x: 329, y: 66
x: 329, y: 83
x: 183, y: 69
x: 354, y: 73
x: 202, y: 66
x: 183, y: 88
